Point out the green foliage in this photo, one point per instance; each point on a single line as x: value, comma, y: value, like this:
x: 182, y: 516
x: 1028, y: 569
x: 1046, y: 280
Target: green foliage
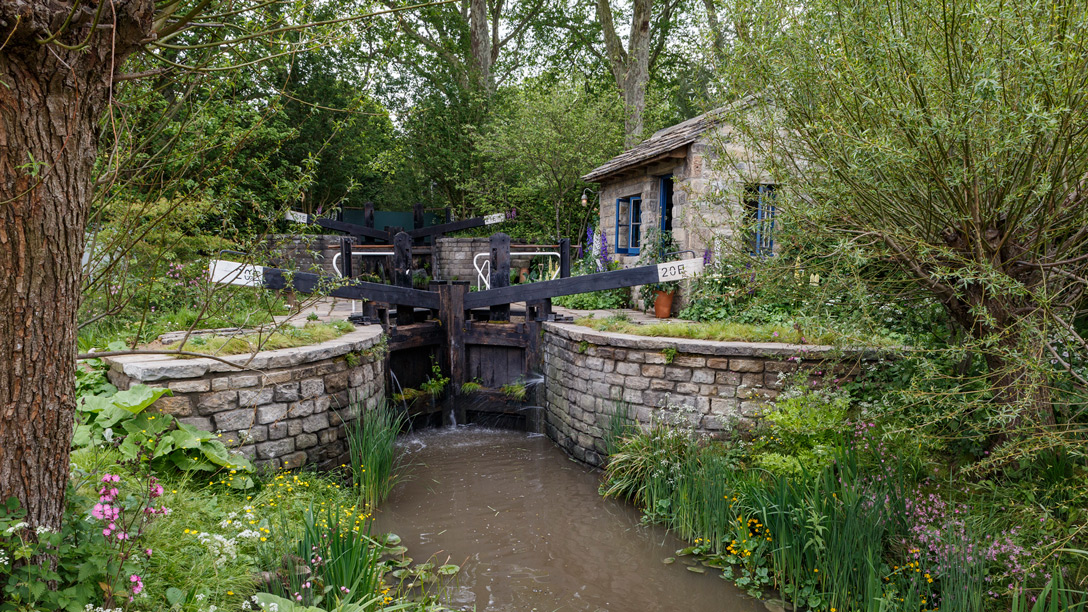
x: 607, y: 299
x: 146, y: 299
x: 621, y: 425
x: 343, y: 562
x: 82, y: 555
x: 119, y: 420
x: 371, y: 447
x: 515, y: 391
x: 471, y: 387
x: 912, y: 153
x: 541, y: 137
x: 436, y: 382
x: 803, y: 428
x: 286, y: 336
x: 669, y: 353
x: 718, y: 330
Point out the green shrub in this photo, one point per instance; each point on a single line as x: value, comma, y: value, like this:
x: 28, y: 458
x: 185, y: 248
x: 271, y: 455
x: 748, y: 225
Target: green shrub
x: 802, y: 429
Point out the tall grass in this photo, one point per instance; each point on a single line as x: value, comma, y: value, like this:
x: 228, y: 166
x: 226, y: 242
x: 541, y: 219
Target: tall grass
x: 371, y: 446
x: 621, y: 424
x: 830, y: 539
x: 327, y: 559
x: 1054, y: 597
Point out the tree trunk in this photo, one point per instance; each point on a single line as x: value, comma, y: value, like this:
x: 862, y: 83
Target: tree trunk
x: 51, y: 100
x: 1018, y: 384
x: 631, y: 66
x: 480, y: 41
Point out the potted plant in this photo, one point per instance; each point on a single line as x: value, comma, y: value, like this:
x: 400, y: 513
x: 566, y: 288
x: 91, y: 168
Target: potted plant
x: 658, y: 247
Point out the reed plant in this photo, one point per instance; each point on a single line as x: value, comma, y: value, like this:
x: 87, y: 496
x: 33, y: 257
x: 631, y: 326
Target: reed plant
x: 621, y: 425
x: 327, y: 559
x: 372, y: 448
x: 1053, y: 597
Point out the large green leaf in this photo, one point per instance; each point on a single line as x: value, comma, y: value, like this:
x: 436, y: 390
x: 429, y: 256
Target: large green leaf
x: 138, y: 397
x: 186, y: 436
x: 93, y: 404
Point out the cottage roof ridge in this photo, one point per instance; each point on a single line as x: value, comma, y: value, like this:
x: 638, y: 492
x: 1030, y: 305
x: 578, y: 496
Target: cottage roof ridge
x: 666, y: 140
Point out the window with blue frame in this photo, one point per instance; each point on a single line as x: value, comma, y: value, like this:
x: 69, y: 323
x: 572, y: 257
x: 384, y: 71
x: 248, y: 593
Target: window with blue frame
x: 759, y: 209
x: 628, y: 225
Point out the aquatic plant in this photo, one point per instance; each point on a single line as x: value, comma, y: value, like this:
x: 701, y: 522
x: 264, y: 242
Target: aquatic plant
x: 470, y: 387
x: 371, y: 437
x: 515, y: 391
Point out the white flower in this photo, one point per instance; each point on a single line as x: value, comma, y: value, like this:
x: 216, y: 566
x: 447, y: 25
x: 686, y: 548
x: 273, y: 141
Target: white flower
x: 16, y: 527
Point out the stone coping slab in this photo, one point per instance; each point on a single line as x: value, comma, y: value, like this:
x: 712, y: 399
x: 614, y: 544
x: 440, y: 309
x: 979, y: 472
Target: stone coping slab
x: 580, y: 333
x: 150, y: 368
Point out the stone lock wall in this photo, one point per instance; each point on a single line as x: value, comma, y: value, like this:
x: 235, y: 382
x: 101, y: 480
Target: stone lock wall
x: 285, y: 408
x: 719, y: 387
x: 453, y: 257
x: 302, y: 252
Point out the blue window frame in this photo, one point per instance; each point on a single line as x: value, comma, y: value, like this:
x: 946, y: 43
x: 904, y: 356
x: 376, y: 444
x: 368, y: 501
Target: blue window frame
x: 628, y: 225
x: 759, y: 207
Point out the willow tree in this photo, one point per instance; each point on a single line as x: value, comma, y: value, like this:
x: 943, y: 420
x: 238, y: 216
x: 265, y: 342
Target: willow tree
x: 951, y: 138
x: 61, y: 62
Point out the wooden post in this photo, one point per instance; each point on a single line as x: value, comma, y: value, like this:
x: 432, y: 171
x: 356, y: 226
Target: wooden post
x: 535, y: 314
x: 451, y: 313
x: 402, y: 274
x: 345, y: 258
x: 564, y: 258
x: 500, y: 273
x: 417, y: 215
x: 368, y: 217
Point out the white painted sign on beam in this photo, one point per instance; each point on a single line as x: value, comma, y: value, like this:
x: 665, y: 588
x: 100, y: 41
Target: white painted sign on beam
x: 233, y: 273
x: 297, y: 217
x: 676, y: 270
x: 495, y: 218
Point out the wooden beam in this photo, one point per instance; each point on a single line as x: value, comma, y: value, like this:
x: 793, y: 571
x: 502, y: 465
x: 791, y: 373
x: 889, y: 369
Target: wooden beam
x: 355, y: 230
x: 496, y: 335
x: 305, y: 282
x: 642, y: 275
x: 455, y: 226
x: 417, y: 335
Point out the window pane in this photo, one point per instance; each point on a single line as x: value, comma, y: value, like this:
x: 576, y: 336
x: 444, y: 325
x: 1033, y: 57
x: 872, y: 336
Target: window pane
x: 636, y: 222
x: 623, y: 224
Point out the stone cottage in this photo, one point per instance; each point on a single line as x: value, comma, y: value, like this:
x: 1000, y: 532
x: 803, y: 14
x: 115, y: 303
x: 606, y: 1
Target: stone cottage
x: 690, y: 179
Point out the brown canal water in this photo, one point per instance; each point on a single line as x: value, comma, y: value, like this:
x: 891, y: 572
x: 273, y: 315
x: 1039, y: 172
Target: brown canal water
x: 530, y: 532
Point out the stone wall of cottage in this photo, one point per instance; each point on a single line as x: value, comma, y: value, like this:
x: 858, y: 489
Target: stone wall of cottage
x: 718, y: 388
x: 285, y: 408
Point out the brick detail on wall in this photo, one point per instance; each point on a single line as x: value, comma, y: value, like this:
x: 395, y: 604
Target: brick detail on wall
x: 719, y: 388
x: 284, y: 409
x: 301, y: 252
x: 453, y: 258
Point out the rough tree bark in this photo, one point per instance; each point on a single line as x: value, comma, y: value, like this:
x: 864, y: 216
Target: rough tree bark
x: 630, y: 66
x: 51, y: 101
